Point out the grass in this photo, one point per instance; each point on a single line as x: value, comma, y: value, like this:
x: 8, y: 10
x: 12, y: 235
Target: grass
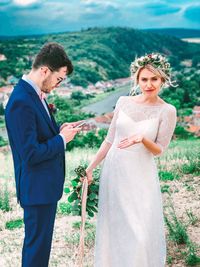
x: 165, y: 189
x: 176, y: 179
x: 88, y: 225
x: 193, y: 166
x: 13, y: 224
x: 179, y: 235
x: 193, y: 219
x: 5, y: 199
x: 182, y: 159
x: 168, y: 176
x: 192, y: 259
x: 64, y: 208
x: 177, y: 230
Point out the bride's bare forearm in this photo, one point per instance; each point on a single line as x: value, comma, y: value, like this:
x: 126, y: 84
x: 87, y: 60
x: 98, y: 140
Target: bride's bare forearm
x: 151, y: 146
x: 100, y: 155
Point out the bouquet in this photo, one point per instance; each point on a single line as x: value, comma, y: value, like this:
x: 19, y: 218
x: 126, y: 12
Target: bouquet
x: 75, y: 192
x: 83, y: 199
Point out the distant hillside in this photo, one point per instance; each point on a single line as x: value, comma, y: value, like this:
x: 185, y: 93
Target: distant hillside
x: 97, y: 53
x: 177, y: 32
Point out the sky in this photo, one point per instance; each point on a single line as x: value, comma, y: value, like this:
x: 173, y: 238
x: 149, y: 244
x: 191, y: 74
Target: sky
x: 27, y: 17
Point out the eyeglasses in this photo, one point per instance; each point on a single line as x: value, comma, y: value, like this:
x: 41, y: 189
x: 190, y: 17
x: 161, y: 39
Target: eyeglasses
x: 59, y: 79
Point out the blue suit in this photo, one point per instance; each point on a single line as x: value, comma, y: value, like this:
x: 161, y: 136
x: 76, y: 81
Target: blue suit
x: 39, y: 163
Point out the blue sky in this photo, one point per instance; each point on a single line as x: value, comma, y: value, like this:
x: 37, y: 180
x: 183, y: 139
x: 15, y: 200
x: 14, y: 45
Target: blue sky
x: 20, y: 17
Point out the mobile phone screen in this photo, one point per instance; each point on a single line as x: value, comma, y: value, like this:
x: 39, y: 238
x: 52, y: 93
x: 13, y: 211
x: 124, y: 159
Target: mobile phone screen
x: 81, y: 124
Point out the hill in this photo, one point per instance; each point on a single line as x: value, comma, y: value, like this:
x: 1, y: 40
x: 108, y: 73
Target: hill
x: 97, y: 53
x: 177, y: 32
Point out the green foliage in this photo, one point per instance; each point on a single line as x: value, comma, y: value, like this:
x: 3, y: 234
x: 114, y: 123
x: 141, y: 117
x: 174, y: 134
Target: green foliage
x: 5, y: 199
x: 180, y: 132
x: 165, y: 189
x: 74, y: 193
x: 1, y: 109
x: 13, y: 224
x: 192, y: 258
x: 178, y: 234
x: 2, y: 142
x: 67, y: 110
x: 74, y: 238
x: 167, y: 176
x: 91, y: 139
x: 185, y: 112
x: 177, y: 230
x: 169, y: 259
x: 192, y: 167
x: 88, y: 225
x: 192, y: 218
x: 2, y: 121
x: 98, y: 53
x: 64, y: 208
x: 187, y: 94
x: 78, y: 95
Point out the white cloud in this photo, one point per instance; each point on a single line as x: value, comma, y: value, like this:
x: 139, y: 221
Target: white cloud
x: 25, y: 2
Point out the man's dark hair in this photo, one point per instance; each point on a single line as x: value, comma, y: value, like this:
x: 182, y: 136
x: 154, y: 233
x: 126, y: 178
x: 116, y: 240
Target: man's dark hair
x: 53, y: 56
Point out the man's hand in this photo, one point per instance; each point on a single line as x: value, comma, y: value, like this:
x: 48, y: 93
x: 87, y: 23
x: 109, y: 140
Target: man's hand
x: 69, y: 132
x: 72, y: 124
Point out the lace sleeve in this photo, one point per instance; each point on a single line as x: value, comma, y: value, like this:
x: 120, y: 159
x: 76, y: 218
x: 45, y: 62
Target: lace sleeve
x: 111, y: 131
x: 166, y: 128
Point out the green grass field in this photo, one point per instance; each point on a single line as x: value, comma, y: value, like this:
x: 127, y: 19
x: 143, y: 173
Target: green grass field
x: 179, y: 170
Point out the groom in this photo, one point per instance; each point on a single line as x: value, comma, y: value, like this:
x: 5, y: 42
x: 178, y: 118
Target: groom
x: 38, y: 149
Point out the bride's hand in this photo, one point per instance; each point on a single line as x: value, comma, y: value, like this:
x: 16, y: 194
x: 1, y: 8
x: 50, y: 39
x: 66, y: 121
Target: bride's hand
x: 135, y: 139
x: 88, y: 177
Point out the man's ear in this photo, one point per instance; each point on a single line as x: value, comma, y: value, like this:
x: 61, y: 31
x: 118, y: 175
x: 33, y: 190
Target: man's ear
x: 44, y: 70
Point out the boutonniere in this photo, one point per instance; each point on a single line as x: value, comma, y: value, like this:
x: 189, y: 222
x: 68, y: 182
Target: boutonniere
x: 52, y: 108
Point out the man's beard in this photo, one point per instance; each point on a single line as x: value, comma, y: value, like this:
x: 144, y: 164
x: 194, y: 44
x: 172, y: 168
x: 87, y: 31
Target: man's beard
x: 46, y: 86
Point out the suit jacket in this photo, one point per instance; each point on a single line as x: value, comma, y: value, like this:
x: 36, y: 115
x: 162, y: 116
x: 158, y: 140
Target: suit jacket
x: 37, y: 148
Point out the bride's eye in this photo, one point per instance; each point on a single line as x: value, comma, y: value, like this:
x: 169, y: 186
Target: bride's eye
x: 144, y: 79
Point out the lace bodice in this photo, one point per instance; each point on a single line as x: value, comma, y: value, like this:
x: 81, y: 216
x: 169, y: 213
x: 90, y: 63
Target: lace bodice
x: 162, y: 116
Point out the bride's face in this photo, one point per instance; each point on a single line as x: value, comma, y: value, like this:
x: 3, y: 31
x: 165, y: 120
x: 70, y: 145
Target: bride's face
x: 149, y: 82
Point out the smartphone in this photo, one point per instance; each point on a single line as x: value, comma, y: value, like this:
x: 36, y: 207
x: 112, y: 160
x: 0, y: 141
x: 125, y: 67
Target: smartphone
x: 81, y: 124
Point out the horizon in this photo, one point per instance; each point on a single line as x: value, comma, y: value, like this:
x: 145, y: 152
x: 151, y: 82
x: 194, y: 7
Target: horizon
x: 95, y: 27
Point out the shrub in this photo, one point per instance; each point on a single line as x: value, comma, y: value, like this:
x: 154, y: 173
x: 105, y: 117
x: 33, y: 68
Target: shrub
x: 180, y: 132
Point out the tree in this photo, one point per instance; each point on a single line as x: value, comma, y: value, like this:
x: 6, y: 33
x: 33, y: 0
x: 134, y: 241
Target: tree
x: 78, y: 95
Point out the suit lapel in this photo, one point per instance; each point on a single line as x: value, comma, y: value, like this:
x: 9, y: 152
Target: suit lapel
x: 52, y: 117
x: 43, y: 112
x: 39, y: 104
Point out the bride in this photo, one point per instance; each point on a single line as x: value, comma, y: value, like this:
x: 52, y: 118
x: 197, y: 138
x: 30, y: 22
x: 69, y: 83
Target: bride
x: 130, y: 225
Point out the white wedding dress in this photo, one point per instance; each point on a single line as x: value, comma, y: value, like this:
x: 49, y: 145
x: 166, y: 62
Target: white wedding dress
x: 130, y: 225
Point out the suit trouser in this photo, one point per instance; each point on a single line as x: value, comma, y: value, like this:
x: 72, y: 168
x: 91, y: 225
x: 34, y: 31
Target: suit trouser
x: 39, y: 224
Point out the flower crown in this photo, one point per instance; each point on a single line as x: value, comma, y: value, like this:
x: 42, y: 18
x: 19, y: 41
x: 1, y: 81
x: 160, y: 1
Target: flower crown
x: 156, y: 60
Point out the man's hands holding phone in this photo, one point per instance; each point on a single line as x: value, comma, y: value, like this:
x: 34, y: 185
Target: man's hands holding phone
x: 69, y: 130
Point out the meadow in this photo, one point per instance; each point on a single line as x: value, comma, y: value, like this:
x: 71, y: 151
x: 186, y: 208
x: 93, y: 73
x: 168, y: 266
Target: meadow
x: 179, y: 171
